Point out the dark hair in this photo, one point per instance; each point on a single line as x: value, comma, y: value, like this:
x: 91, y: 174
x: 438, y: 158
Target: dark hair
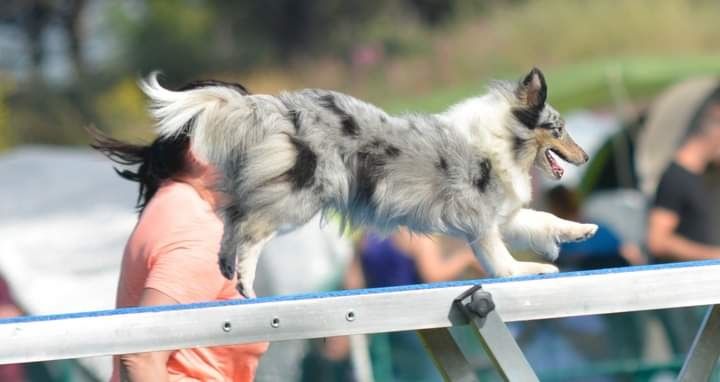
x: 695, y: 126
x: 162, y: 159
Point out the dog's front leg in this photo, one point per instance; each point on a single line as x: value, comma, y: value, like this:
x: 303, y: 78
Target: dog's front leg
x: 497, y: 261
x: 543, y: 232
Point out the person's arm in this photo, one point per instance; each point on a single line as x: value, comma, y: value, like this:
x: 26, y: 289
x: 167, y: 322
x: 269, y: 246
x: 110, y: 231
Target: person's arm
x: 140, y: 367
x: 7, y: 306
x: 354, y: 278
x: 167, y: 284
x: 664, y: 243
x: 432, y: 266
x: 9, y: 310
x: 632, y: 254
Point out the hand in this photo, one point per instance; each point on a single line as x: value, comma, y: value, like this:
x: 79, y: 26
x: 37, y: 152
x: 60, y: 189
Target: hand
x: 9, y: 310
x: 632, y: 254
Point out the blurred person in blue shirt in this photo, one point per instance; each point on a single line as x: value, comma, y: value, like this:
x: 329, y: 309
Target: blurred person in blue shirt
x: 406, y: 258
x: 604, y: 250
x: 575, y: 343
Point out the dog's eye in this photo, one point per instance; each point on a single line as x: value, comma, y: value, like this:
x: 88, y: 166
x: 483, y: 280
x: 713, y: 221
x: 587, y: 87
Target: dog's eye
x: 557, y: 132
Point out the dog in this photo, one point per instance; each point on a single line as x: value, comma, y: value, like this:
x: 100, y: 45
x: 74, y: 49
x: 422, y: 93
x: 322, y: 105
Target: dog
x: 464, y: 172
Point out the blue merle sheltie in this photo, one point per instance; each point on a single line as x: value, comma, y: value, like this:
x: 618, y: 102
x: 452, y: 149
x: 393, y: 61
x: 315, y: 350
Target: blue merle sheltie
x: 464, y: 172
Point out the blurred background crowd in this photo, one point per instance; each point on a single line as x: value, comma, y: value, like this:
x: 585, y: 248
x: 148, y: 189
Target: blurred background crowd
x: 636, y: 81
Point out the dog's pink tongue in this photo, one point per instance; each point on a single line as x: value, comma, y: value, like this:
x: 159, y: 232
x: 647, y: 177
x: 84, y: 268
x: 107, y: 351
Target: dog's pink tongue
x: 557, y: 170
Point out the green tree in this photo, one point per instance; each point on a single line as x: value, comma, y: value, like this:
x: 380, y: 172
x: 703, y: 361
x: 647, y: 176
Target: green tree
x: 174, y: 36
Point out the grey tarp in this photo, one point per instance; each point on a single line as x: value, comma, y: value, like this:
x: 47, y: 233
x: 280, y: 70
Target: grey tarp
x: 64, y: 219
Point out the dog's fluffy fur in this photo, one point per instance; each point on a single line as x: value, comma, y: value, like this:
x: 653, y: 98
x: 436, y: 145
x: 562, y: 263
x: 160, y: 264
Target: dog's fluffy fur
x: 464, y: 172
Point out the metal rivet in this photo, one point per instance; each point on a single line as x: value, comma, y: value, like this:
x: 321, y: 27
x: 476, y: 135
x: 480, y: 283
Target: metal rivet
x: 227, y: 326
x: 275, y: 323
x: 350, y: 315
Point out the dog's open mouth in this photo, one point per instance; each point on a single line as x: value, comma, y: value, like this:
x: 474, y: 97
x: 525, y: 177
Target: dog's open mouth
x: 554, y: 166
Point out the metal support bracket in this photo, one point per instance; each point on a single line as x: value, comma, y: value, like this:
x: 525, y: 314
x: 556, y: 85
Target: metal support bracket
x: 705, y: 350
x: 478, y: 308
x: 499, y: 344
x: 447, y: 356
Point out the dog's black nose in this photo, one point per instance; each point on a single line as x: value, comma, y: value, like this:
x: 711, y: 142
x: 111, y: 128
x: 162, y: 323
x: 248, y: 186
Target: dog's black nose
x: 585, y: 157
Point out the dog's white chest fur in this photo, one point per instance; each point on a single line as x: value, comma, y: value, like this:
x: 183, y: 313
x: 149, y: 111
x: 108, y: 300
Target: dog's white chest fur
x: 481, y: 121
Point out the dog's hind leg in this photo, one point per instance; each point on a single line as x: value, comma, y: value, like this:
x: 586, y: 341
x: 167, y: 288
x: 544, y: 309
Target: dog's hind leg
x: 246, y: 234
x: 231, y: 239
x: 277, y: 183
x: 543, y: 232
x: 497, y: 261
x: 242, y: 244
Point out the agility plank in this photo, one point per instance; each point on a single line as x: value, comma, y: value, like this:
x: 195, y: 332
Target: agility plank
x: 426, y: 306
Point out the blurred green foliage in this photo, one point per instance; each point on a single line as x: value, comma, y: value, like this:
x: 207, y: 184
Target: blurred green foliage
x: 6, y: 138
x: 586, y: 84
x: 402, y: 55
x: 172, y: 35
x: 123, y: 110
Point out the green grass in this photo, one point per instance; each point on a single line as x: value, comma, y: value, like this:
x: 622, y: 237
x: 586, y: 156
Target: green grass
x: 585, y: 85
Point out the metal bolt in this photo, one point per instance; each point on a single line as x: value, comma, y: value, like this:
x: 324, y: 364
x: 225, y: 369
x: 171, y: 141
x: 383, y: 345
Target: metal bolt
x: 350, y: 315
x: 481, y: 303
x: 227, y: 326
x: 275, y: 323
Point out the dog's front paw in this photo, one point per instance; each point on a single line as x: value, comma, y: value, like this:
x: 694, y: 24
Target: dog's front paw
x: 522, y: 268
x: 578, y: 232
x: 587, y: 231
x: 547, y: 269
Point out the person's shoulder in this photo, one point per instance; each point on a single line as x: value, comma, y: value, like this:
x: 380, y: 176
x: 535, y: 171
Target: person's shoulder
x: 177, y: 206
x: 178, y: 198
x: 171, y: 191
x: 176, y: 222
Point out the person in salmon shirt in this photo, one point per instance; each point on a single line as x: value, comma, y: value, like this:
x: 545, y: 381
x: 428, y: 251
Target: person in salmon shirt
x: 171, y: 256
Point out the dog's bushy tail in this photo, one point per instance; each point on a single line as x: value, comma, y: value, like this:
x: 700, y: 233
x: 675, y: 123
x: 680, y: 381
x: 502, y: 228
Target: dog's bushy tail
x: 197, y: 110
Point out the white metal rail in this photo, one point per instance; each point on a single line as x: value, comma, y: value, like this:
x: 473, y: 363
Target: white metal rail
x: 38, y: 338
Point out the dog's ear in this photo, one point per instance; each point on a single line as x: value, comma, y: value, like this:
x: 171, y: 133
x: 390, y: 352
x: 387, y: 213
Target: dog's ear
x: 532, y: 90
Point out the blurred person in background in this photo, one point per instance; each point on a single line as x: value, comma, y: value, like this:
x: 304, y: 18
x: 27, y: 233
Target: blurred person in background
x: 604, y: 250
x: 574, y: 343
x: 171, y: 257
x: 680, y: 222
x: 405, y: 258
x: 306, y: 259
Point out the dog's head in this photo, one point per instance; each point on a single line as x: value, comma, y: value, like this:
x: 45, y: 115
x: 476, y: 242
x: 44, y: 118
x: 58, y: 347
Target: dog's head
x: 539, y: 128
